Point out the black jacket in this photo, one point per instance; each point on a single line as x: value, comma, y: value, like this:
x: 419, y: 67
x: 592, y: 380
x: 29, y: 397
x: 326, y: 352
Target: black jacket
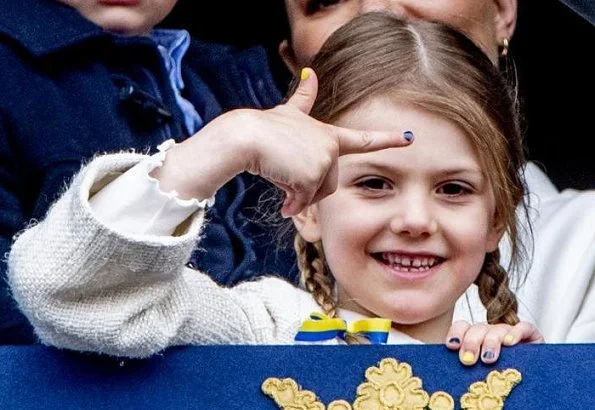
x: 70, y: 90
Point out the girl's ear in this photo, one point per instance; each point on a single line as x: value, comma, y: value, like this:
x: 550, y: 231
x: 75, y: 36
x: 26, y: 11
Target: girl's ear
x: 506, y: 17
x: 288, y: 56
x: 307, y: 224
x: 495, y: 234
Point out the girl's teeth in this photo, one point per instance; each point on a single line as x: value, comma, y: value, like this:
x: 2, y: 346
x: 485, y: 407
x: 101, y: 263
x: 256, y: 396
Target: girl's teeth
x: 407, y: 261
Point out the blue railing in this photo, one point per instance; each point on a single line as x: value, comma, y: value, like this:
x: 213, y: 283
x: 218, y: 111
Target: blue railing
x: 557, y: 377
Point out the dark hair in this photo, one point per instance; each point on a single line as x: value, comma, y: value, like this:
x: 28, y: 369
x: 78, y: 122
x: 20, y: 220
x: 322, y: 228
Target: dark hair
x: 434, y: 67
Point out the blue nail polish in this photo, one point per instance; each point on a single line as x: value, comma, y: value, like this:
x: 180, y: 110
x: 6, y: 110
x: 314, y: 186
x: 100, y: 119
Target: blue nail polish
x: 454, y: 340
x: 488, y: 355
x: 408, y: 135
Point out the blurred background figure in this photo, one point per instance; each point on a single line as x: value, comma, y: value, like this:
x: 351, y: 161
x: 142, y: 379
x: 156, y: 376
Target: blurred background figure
x: 552, y: 49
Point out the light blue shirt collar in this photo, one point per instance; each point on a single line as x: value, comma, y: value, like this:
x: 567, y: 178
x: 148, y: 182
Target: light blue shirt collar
x: 172, y: 45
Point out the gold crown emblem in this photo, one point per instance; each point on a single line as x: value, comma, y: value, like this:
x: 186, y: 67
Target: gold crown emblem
x: 392, y: 386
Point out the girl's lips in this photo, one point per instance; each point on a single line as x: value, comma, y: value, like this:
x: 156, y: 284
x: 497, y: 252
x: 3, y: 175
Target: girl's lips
x: 408, y: 271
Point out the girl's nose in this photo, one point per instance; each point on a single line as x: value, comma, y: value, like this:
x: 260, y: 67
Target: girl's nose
x: 414, y: 217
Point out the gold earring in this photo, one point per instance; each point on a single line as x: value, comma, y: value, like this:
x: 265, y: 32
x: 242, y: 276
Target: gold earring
x: 503, y: 47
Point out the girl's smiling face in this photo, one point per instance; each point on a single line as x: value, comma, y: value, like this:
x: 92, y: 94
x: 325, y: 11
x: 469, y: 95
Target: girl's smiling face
x: 407, y: 229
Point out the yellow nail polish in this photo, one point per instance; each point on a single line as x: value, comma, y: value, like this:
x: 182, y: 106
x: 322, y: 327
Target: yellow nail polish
x: 508, y: 339
x: 304, y: 74
x: 468, y: 358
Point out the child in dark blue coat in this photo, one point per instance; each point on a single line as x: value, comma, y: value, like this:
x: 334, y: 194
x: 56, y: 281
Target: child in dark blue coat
x: 78, y: 78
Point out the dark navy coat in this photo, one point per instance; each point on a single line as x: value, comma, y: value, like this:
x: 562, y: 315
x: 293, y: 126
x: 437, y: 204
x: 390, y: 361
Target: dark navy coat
x: 69, y: 90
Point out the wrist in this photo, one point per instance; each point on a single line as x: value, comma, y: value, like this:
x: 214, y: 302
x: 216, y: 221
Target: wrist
x: 199, y: 166
x: 166, y: 179
x: 174, y: 175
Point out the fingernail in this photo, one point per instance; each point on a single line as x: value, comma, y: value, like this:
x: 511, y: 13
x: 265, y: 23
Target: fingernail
x: 468, y: 358
x: 304, y: 74
x: 408, y: 135
x: 508, y: 339
x: 454, y: 340
x: 488, y: 354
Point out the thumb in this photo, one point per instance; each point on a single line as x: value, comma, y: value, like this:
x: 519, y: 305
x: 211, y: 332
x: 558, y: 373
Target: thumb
x: 305, y: 94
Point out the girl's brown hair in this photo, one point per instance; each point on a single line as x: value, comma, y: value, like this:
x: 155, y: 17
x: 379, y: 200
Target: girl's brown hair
x: 440, y: 70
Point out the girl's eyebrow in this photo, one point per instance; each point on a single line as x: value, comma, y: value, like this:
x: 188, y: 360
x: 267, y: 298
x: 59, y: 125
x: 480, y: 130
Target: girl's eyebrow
x: 473, y: 171
x: 455, y: 170
x: 370, y: 165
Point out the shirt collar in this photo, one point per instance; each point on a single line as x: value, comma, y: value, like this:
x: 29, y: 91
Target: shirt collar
x: 172, y: 45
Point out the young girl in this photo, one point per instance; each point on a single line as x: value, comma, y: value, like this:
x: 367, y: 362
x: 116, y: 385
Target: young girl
x: 404, y: 234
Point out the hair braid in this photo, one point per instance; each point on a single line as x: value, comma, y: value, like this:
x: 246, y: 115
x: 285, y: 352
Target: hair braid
x: 494, y: 292
x: 315, y: 274
x: 318, y: 280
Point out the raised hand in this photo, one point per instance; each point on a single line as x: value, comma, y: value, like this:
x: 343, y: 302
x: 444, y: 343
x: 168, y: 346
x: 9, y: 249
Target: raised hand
x: 284, y: 145
x: 484, y: 341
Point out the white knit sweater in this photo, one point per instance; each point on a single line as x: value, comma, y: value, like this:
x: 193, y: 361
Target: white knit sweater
x: 86, y: 287
x: 133, y: 296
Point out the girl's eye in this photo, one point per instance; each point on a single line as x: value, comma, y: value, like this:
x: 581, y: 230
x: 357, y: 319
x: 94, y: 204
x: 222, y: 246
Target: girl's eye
x: 312, y: 6
x: 374, y: 184
x: 453, y: 189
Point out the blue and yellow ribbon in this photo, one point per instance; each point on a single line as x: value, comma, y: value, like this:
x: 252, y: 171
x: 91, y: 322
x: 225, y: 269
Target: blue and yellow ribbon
x: 320, y: 327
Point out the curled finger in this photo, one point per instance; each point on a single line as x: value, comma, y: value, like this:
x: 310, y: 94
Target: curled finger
x: 492, y: 343
x: 296, y: 200
x: 329, y: 183
x: 524, y: 332
x: 471, y: 344
x: 456, y: 333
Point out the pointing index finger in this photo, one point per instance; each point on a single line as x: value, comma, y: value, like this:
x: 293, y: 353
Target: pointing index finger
x: 353, y: 141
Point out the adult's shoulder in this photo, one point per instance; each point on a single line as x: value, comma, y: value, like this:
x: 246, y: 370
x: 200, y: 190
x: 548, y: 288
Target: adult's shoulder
x: 253, y: 53
x: 549, y: 201
x: 237, y: 69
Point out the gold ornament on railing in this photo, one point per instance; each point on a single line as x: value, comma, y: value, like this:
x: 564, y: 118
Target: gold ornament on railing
x: 490, y: 394
x: 392, y: 386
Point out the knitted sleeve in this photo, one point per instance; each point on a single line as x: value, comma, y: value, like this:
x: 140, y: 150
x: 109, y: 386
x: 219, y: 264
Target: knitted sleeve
x: 88, y: 288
